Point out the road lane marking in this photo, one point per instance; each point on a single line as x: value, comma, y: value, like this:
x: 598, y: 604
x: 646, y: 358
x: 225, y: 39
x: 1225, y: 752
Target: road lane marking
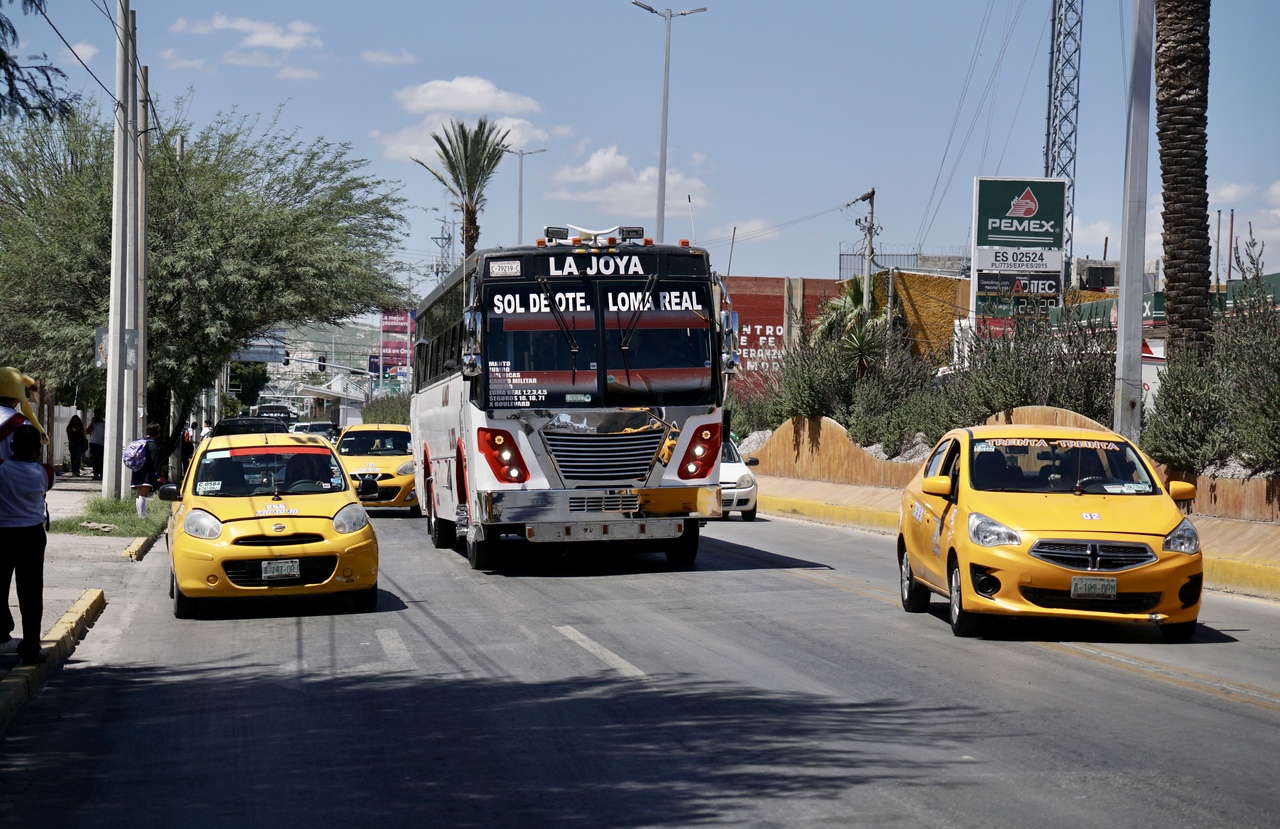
x: 1190, y: 680
x: 602, y: 653
x: 397, y: 654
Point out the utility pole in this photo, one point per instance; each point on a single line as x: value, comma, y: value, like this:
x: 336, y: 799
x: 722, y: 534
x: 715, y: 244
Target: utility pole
x: 140, y: 239
x: 117, y: 320
x: 869, y: 225
x: 520, y: 192
x: 1127, y: 417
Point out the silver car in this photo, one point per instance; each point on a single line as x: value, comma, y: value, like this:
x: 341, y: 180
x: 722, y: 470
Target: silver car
x: 737, y: 484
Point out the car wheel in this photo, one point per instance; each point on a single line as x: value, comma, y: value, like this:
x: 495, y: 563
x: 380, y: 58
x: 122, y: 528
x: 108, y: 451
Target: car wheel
x: 749, y: 514
x: 963, y: 623
x: 915, y: 596
x: 1178, y: 632
x: 184, y: 607
x: 443, y: 534
x: 482, y: 553
x: 365, y: 601
x: 683, y: 551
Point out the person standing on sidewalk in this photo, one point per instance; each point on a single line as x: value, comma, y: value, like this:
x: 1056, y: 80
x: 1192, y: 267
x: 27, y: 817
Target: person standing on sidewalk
x: 24, y: 480
x: 97, y: 440
x: 77, y: 443
x: 148, y: 476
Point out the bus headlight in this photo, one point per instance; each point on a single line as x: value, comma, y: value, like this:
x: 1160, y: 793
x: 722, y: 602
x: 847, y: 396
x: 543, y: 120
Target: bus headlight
x: 700, y: 458
x: 503, y: 455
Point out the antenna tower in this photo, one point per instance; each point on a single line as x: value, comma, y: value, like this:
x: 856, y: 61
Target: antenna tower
x: 1064, y: 105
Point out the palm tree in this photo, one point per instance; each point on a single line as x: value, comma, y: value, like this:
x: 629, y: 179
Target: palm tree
x: 1182, y: 101
x: 469, y: 158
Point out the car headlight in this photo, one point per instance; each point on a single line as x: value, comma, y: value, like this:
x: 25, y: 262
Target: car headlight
x: 201, y: 524
x: 991, y: 533
x: 405, y: 468
x: 350, y: 518
x: 1183, y: 539
x: 746, y: 481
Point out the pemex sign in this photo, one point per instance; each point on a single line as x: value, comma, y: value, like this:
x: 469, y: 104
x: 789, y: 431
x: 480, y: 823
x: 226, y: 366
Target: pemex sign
x: 1017, y: 245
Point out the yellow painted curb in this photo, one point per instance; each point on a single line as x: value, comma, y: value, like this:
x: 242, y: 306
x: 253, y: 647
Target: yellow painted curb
x: 138, y: 548
x: 1238, y: 576
x: 21, y: 683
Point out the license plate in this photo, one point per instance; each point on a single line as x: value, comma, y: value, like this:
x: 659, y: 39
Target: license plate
x: 285, y: 568
x: 1093, y: 587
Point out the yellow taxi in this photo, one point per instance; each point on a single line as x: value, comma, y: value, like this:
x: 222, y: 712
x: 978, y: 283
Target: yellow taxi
x: 268, y: 515
x: 1048, y: 522
x: 380, y: 452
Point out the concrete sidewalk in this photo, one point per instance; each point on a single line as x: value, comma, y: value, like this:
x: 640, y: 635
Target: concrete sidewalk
x: 1239, y: 556
x: 70, y: 606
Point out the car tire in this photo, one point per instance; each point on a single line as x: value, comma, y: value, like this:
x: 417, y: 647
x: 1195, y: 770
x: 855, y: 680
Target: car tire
x: 963, y: 622
x: 683, y: 551
x: 482, y: 553
x: 915, y: 596
x: 443, y: 533
x: 1179, y: 631
x: 415, y: 511
x: 365, y: 601
x: 749, y: 514
x: 184, y: 607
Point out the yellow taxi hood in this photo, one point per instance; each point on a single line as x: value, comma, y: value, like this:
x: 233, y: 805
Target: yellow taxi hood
x: 369, y: 464
x: 1066, y: 512
x: 308, y: 505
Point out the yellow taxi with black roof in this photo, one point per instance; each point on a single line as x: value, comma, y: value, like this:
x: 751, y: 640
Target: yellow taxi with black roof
x: 1048, y: 522
x: 380, y: 452
x: 268, y: 515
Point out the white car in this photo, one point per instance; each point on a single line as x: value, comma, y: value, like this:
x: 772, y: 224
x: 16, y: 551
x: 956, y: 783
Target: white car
x: 737, y: 484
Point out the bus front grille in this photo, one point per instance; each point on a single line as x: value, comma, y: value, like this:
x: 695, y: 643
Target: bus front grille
x: 608, y: 457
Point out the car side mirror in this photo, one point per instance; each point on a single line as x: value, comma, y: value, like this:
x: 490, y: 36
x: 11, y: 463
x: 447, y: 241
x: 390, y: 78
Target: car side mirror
x: 939, y: 485
x: 368, y: 489
x: 751, y: 461
x: 1182, y: 491
x: 169, y: 492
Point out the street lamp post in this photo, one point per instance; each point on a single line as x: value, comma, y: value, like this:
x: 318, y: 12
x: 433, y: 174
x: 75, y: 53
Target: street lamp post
x: 666, y: 77
x: 520, y: 191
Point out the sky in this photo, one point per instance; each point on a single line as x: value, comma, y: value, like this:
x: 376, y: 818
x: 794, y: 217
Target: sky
x: 779, y: 114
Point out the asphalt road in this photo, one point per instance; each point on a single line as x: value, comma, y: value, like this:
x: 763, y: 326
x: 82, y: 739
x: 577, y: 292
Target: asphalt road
x: 778, y: 683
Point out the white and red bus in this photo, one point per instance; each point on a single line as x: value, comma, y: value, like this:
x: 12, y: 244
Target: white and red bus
x: 573, y: 391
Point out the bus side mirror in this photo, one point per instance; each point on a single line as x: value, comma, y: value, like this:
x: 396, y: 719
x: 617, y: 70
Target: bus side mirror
x: 471, y: 365
x: 729, y: 345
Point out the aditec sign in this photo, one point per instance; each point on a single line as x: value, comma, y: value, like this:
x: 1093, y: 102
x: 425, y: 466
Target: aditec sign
x: 1017, y: 250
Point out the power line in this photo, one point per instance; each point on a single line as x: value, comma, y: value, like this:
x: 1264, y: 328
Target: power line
x: 76, y: 55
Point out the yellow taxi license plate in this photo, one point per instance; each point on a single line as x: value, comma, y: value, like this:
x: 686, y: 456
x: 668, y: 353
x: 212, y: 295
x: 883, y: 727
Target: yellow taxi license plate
x: 285, y: 568
x: 1093, y: 587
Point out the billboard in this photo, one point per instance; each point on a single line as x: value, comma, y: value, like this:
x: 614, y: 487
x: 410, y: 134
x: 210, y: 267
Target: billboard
x: 1018, y: 248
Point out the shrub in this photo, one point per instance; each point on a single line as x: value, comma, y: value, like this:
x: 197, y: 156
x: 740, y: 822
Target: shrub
x: 393, y: 408
x: 1187, y: 429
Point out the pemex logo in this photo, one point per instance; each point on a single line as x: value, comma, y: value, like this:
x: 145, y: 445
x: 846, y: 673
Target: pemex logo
x: 1024, y: 206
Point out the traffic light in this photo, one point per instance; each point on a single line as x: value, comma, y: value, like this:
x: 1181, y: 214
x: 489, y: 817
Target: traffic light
x: 285, y: 361
x: 321, y: 361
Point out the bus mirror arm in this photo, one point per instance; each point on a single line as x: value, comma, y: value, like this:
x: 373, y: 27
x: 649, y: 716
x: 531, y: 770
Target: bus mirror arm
x: 729, y: 332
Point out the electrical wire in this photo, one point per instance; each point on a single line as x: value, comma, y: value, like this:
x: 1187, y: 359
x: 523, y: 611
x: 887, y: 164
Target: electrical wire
x: 76, y: 55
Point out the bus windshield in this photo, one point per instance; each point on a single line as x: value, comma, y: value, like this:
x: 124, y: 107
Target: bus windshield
x: 612, y: 343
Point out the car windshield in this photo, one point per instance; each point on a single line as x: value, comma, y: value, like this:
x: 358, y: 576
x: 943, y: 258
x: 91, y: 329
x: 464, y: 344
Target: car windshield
x: 371, y: 442
x: 729, y: 453
x: 1069, y: 465
x: 263, y: 470
x: 249, y: 426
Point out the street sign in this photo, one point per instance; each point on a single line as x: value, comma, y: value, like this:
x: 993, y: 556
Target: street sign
x: 1019, y: 212
x: 1020, y: 260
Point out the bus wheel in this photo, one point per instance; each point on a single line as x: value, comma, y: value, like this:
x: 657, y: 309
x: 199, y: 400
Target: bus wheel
x: 482, y: 552
x: 442, y: 532
x: 684, y: 550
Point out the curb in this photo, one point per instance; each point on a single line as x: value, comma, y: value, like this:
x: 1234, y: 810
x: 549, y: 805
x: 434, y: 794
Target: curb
x: 22, y: 683
x: 139, y: 548
x: 1220, y: 573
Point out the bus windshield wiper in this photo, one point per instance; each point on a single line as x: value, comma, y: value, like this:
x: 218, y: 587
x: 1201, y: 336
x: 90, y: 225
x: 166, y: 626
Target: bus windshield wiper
x: 634, y: 322
x: 570, y: 335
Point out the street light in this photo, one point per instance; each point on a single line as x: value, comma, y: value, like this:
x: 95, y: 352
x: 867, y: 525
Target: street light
x: 666, y: 77
x: 520, y: 196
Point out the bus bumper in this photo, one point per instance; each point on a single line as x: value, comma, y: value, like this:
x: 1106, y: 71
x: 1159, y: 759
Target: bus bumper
x: 594, y: 506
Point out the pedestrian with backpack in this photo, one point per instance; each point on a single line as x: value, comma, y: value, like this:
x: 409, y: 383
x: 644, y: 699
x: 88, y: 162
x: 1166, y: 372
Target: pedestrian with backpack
x: 24, y: 480
x: 143, y: 457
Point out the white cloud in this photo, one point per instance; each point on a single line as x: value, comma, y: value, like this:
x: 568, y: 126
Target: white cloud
x: 412, y: 142
x: 172, y: 60
x: 383, y: 56
x: 521, y: 135
x: 1089, y: 240
x: 258, y: 34
x: 296, y: 73
x: 1273, y: 193
x: 463, y: 94
x: 1231, y: 192
x: 84, y: 50
x: 255, y: 58
x: 607, y: 182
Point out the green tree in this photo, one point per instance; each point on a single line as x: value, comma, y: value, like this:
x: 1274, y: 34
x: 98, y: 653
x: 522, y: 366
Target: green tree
x: 468, y: 160
x: 1182, y: 103
x: 29, y: 89
x: 254, y: 228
